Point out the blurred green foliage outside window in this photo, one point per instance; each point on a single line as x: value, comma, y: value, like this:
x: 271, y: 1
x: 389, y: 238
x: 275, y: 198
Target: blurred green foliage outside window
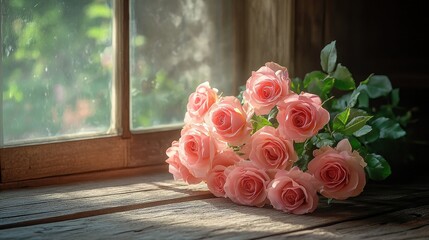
x: 176, y: 45
x: 56, y: 73
x: 56, y: 68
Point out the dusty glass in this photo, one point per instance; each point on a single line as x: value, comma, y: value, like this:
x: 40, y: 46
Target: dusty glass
x: 174, y: 46
x: 56, y: 69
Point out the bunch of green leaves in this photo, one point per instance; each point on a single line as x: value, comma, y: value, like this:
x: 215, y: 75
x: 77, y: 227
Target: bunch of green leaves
x: 352, y: 115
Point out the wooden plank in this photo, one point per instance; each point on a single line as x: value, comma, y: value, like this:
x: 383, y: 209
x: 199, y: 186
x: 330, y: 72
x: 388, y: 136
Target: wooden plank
x: 286, y: 34
x: 309, y: 35
x: 269, y: 33
x: 155, y: 206
x: 212, y: 218
x: 412, y: 223
x: 37, y: 161
x: 239, y: 27
x: 26, y: 205
x: 149, y: 148
x: 85, y: 177
x: 65, y: 158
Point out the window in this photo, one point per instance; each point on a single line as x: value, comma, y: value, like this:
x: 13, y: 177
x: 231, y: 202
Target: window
x: 57, y: 68
x: 175, y: 45
x: 102, y: 84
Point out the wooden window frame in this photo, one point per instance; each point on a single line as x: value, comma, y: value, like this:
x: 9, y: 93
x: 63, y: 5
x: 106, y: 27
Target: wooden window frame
x: 135, y: 153
x: 125, y: 151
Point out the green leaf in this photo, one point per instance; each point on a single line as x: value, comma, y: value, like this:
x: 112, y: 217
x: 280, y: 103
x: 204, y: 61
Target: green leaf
x: 260, y: 122
x: 377, y: 167
x: 363, y: 100
x: 356, y: 124
x: 338, y: 104
x: 328, y: 57
x: 343, y: 78
x: 395, y: 97
x: 313, y: 76
x: 328, y: 83
x: 272, y: 116
x: 378, y: 85
x: 302, y: 162
x: 299, y: 148
x: 242, y: 88
x: 318, y: 83
x: 315, y: 87
x: 341, y: 119
x: 303, y: 156
x: 386, y: 111
x: 338, y: 136
x: 296, y: 85
x: 322, y: 139
x: 354, y: 142
x: 372, y: 136
x: 363, y: 131
x: 355, y: 112
x: 351, y: 102
x: 388, y: 128
x: 403, y: 120
x: 350, y: 120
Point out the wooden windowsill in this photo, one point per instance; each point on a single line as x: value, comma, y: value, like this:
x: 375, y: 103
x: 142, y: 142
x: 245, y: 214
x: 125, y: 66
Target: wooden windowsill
x: 154, y: 206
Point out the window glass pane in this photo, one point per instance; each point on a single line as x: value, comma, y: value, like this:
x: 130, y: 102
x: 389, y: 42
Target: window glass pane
x: 176, y: 45
x: 56, y: 68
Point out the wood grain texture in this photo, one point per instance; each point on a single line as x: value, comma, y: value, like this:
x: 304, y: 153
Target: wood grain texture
x: 239, y: 48
x: 29, y: 162
x: 269, y: 34
x: 121, y: 87
x: 412, y: 223
x: 217, y: 218
x: 49, y: 202
x: 85, y: 177
x: 309, y: 35
x: 149, y: 148
x: 65, y: 158
x: 212, y: 218
x: 155, y: 207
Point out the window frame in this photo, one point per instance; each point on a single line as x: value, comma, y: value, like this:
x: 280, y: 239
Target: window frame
x: 128, y: 150
x: 138, y: 152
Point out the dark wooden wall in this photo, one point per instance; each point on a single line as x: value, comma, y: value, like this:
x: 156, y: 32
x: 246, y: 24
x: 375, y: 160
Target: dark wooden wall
x: 381, y: 37
x: 385, y: 37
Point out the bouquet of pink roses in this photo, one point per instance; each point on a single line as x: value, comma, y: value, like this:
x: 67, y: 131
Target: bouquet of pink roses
x: 282, y: 142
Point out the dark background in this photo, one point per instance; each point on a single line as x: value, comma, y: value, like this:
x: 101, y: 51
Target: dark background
x: 381, y: 37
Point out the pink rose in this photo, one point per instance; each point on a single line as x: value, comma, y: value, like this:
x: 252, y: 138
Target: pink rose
x: 294, y: 191
x: 175, y: 167
x: 197, y: 148
x: 216, y: 180
x: 245, y: 184
x: 341, y: 170
x: 216, y: 177
x: 220, y: 145
x: 199, y: 102
x: 269, y: 151
x: 266, y: 87
x: 226, y: 158
x: 229, y: 121
x: 301, y: 116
